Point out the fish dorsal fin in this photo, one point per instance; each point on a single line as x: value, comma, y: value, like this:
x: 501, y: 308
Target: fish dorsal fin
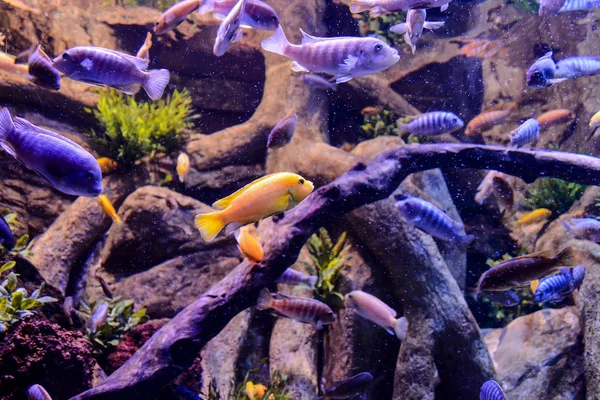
x: 24, y: 125
x: 226, y: 201
x: 548, y: 55
x: 281, y: 296
x: 539, y: 254
x: 308, y: 39
x: 510, y: 106
x: 140, y: 63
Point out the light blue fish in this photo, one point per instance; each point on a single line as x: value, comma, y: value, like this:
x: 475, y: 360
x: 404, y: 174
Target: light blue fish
x: 542, y: 72
x: 575, y: 67
x: 527, y: 132
x: 555, y: 288
x: 431, y: 124
x: 576, y: 5
x: 66, y: 165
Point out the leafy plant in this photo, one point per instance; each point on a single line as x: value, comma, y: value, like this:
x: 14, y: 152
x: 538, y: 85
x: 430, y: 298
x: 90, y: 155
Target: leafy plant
x: 328, y: 261
x: 381, y: 123
x: 380, y: 26
x: 160, y: 4
x: 16, y: 304
x: 133, y: 130
x: 120, y: 319
x: 554, y: 194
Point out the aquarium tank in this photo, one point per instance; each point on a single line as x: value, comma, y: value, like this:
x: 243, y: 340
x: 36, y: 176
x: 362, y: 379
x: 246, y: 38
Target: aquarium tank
x: 282, y: 200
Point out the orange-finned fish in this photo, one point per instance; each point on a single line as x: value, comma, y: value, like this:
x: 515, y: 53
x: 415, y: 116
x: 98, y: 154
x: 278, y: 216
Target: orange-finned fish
x: 260, y: 199
x: 520, y: 271
x: 144, y: 51
x: 481, y: 48
x: 489, y: 118
x: 108, y: 208
x: 248, y: 245
x: 555, y: 117
x: 107, y: 165
x: 301, y: 309
x: 2, y: 39
x: 371, y: 110
x: 533, y: 285
x: 183, y: 166
x: 534, y: 216
x: 175, y: 16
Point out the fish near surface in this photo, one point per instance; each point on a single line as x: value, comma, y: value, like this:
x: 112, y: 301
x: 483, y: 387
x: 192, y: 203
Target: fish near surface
x: 576, y: 67
x: 491, y: 390
x: 7, y: 239
x: 535, y: 216
x: 349, y: 388
x: 282, y: 133
x: 555, y: 117
x: 249, y: 245
x: 378, y: 8
x: 413, y: 27
x: 42, y: 71
x: 343, y: 57
x: 257, y: 14
x: 583, y: 228
x: 104, y: 67
x: 526, y: 133
x: 520, y: 271
x: 431, y: 124
x: 556, y: 287
x: 308, y: 311
x: 373, y: 309
x: 108, y: 208
x: 37, y: 392
x: 229, y: 29
x: 542, y: 72
x: 294, y: 277
x: 66, y: 165
x: 271, y: 194
x: 433, y: 221
x: 175, y: 16
x: 488, y: 119
x: 183, y: 166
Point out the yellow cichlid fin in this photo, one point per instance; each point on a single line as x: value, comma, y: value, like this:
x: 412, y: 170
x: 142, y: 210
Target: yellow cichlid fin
x: 226, y: 201
x: 209, y: 225
x: 533, y: 285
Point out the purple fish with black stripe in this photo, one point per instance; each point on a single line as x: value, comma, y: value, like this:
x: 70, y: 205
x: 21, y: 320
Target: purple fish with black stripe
x: 556, y: 287
x: 527, y: 132
x: 491, y: 390
x: 431, y: 124
x: 343, y: 57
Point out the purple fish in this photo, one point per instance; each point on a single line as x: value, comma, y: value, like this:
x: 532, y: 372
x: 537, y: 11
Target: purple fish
x: 318, y: 82
x: 527, y: 132
x: 40, y: 67
x: 175, y: 16
x: 294, y: 277
x: 344, y: 57
x: 556, y: 287
x: 414, y: 25
x: 99, y: 317
x: 542, y: 71
x: 491, y: 390
x: 431, y: 124
x: 104, y: 67
x: 229, y: 29
x: 282, y: 133
x: 7, y: 240
x: 377, y: 8
x: 257, y: 15
x: 37, y: 392
x: 583, y: 228
x: 575, y: 5
x: 575, y: 67
x: 66, y: 165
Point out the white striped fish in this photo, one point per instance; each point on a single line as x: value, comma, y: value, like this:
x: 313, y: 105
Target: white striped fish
x: 431, y: 124
x: 575, y: 5
x: 343, y: 57
x: 491, y: 390
x: 554, y: 288
x: 432, y: 220
x: 575, y: 67
x: 301, y: 309
x: 414, y: 25
x: 527, y: 132
x: 583, y: 228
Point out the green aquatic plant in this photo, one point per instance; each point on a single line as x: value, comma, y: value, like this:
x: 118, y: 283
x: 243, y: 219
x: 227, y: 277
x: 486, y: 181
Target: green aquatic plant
x: 16, y: 303
x: 380, y: 26
x: 160, y: 4
x: 328, y: 261
x: 133, y: 130
x: 380, y: 124
x: 554, y: 194
x: 120, y: 319
x: 23, y: 244
x: 527, y: 6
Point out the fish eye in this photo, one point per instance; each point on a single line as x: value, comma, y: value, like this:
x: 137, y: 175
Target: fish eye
x: 301, y: 181
x: 66, y: 56
x: 378, y: 47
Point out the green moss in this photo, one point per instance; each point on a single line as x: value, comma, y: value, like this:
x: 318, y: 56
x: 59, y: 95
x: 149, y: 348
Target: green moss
x: 554, y: 194
x: 380, y: 26
x: 528, y: 6
x: 16, y: 303
x: 380, y: 124
x: 133, y: 130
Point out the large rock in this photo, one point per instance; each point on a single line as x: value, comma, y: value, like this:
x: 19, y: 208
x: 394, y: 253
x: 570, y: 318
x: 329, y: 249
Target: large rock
x: 540, y: 355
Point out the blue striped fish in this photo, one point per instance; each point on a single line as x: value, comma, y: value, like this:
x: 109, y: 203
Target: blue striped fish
x: 432, y: 220
x: 527, y: 132
x: 554, y: 288
x: 431, y: 124
x: 37, y: 392
x: 574, y: 5
x: 575, y: 67
x: 542, y: 72
x: 583, y: 228
x: 491, y: 390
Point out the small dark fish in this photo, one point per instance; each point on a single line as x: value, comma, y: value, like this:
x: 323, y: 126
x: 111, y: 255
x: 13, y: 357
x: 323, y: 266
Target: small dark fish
x: 68, y: 309
x: 308, y: 311
x: 7, y: 239
x: 37, y: 392
x: 491, y: 390
x: 175, y: 16
x: 66, y: 165
x: 555, y: 288
x: 349, y: 388
x: 527, y: 132
x: 507, y: 298
x: 318, y: 82
x: 229, y: 29
x: 583, y: 228
x: 520, y: 271
x: 185, y: 394
x: 433, y: 221
x: 575, y: 67
x: 44, y: 74
x: 105, y: 288
x: 431, y: 124
x: 541, y: 74
x: 99, y: 317
x: 294, y: 277
x: 104, y: 67
x: 282, y: 133
x: 504, y: 192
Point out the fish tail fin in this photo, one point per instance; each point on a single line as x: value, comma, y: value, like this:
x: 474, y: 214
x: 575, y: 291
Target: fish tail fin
x: 402, y: 127
x: 564, y: 257
x: 6, y: 123
x: 209, y: 225
x: 277, y: 43
x: 155, y: 84
x: 399, y: 28
x: 206, y: 7
x: 400, y: 327
x: 265, y: 300
x: 359, y: 6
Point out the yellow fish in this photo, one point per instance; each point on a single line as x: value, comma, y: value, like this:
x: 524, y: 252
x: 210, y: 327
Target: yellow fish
x: 260, y: 199
x: 108, y: 208
x: 249, y: 245
x: 183, y: 166
x: 107, y: 165
x: 255, y: 392
x: 533, y: 285
x: 535, y: 216
x: 595, y: 121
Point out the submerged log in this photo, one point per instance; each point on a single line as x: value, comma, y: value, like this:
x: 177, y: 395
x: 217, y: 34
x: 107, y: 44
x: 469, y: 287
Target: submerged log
x: 173, y: 348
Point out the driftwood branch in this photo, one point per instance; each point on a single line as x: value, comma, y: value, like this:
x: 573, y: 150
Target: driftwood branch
x: 172, y: 349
